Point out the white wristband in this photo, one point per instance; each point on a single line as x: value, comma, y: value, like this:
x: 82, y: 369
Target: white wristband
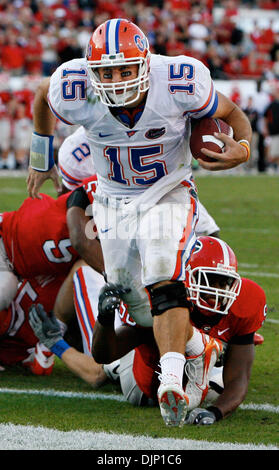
x: 41, y: 152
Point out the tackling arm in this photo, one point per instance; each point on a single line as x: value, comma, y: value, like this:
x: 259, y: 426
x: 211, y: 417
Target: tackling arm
x: 89, y: 250
x: 84, y: 367
x: 110, y: 344
x: 236, y: 376
x: 47, y: 329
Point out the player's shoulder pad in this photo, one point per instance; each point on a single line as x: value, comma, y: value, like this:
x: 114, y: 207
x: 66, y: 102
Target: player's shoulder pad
x: 188, y: 81
x: 162, y: 61
x: 251, y: 300
x: 72, y: 71
x: 179, y: 68
x: 70, y: 90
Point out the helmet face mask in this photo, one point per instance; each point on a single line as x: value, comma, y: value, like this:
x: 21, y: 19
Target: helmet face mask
x: 212, y: 277
x: 118, y: 43
x: 211, y: 296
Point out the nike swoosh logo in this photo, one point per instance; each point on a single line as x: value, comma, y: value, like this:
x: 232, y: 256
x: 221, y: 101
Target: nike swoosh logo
x: 104, y: 135
x: 114, y: 370
x: 222, y: 331
x: 105, y: 230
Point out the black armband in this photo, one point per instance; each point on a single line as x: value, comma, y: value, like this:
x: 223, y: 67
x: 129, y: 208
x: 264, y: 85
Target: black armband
x: 78, y: 198
x: 217, y: 413
x: 244, y: 339
x: 106, y: 320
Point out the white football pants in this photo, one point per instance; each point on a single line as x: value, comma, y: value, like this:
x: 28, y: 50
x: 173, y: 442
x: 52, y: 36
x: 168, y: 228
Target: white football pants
x: 143, y: 245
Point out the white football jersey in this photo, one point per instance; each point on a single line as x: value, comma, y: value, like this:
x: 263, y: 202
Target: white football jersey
x: 75, y: 161
x: 129, y: 161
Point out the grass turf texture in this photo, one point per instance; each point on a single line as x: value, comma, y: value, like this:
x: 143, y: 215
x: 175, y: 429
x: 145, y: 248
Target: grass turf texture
x: 247, y: 210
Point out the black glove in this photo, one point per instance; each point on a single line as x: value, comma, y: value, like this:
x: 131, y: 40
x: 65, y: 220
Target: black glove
x: 45, y: 327
x: 201, y: 416
x: 110, y: 298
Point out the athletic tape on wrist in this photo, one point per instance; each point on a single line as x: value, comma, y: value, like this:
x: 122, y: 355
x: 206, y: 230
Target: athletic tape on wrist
x: 41, y: 152
x: 60, y: 347
x: 217, y: 413
x: 245, y: 144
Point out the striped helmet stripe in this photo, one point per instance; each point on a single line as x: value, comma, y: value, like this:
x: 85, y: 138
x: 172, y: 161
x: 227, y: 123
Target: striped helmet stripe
x: 226, y: 253
x: 112, y: 36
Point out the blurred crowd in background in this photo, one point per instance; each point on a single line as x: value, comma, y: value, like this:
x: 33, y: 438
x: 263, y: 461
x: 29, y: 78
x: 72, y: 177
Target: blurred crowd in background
x: 238, y: 41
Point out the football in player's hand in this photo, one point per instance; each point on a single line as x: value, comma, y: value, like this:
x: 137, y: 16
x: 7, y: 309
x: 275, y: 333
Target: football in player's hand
x: 202, y: 136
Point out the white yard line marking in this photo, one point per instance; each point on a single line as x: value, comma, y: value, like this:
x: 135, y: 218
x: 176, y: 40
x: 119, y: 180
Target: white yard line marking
x: 272, y: 320
x: 264, y: 231
x: 64, y: 394
x: 260, y: 407
x: 18, y: 437
x: 258, y: 274
x: 257, y: 265
x: 117, y: 397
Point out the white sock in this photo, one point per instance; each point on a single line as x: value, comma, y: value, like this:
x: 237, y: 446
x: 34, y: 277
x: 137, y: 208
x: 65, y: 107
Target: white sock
x: 195, y: 345
x: 173, y: 363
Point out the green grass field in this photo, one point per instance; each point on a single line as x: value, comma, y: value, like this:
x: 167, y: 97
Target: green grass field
x: 247, y: 210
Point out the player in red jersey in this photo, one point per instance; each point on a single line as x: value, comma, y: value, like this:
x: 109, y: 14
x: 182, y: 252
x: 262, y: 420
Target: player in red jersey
x: 225, y: 307
x: 42, y: 241
x: 17, y: 340
x: 19, y: 346
x: 44, y: 237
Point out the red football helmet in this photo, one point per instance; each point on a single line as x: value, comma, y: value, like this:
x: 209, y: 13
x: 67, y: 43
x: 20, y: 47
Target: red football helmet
x: 212, y: 277
x: 118, y: 42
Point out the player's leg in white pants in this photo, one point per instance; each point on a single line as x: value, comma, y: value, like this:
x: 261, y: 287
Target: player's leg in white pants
x: 142, y: 248
x: 206, y: 225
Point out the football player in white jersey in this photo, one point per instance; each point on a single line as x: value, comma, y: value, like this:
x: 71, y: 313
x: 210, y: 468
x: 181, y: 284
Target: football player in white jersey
x: 74, y: 160
x: 75, y: 164
x: 136, y: 109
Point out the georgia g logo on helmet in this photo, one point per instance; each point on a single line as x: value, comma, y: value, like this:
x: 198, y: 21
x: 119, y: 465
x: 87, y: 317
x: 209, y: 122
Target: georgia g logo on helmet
x: 212, y: 277
x: 198, y: 246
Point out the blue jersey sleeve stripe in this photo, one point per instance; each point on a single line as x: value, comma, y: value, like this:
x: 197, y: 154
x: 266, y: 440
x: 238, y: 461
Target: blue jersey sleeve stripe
x: 69, y: 178
x: 214, y: 107
x: 208, y: 101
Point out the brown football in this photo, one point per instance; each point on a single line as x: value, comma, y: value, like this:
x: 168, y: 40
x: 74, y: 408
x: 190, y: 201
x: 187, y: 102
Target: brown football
x: 202, y: 136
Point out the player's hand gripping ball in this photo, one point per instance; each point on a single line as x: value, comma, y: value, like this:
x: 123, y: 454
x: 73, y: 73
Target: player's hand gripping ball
x: 202, y: 136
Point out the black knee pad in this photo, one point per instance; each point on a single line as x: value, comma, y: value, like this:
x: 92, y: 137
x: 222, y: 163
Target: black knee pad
x: 168, y: 296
